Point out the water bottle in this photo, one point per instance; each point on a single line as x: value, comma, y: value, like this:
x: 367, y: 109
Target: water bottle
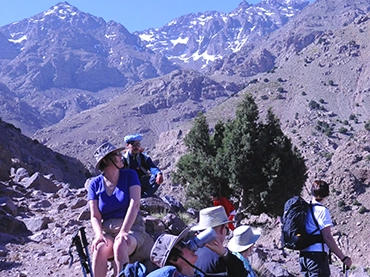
x: 202, y: 238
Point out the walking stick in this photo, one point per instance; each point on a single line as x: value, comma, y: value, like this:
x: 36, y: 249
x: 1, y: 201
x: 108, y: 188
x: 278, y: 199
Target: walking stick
x: 345, y: 269
x: 84, y: 259
x: 85, y: 244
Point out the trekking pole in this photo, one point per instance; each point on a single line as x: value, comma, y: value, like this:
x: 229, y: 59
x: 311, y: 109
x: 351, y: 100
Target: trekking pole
x: 345, y: 269
x: 85, y: 245
x: 76, y: 241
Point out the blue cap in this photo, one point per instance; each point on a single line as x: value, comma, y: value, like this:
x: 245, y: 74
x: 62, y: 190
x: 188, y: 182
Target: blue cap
x: 128, y: 138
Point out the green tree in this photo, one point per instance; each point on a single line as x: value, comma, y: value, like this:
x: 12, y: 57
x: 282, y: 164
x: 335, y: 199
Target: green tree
x: 196, y: 169
x: 283, y: 168
x: 241, y: 149
x: 250, y: 160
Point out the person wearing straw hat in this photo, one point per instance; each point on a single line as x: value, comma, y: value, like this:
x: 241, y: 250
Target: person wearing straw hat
x: 174, y: 256
x: 114, y: 199
x: 221, y: 262
x: 241, y: 244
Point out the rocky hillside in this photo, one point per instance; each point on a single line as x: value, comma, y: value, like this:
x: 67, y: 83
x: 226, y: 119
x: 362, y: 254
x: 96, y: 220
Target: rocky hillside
x: 19, y: 151
x: 63, y: 61
x: 57, y: 63
x: 197, y: 40
x: 312, y: 72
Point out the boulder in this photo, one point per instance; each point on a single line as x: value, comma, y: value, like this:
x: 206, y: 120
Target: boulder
x: 39, y: 182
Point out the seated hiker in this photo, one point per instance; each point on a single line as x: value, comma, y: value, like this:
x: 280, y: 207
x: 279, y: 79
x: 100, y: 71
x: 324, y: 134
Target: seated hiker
x: 219, y: 200
x: 175, y: 257
x: 222, y: 263
x: 149, y: 174
x: 241, y: 244
x: 114, y: 199
x: 314, y: 260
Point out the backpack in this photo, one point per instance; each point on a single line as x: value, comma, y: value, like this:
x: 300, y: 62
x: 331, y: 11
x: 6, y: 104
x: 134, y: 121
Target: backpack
x: 133, y: 270
x: 293, y: 230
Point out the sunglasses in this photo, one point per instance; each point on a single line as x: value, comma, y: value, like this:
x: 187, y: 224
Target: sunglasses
x: 135, y: 143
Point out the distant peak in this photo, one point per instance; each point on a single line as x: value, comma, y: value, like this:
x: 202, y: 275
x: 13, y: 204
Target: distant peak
x: 62, y: 6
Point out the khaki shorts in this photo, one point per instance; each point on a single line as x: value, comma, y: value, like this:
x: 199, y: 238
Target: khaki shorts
x: 113, y: 225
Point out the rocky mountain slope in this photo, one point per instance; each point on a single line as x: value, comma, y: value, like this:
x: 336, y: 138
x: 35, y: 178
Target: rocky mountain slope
x: 19, y: 151
x: 58, y: 61
x: 64, y: 61
x: 196, y: 40
x: 312, y: 72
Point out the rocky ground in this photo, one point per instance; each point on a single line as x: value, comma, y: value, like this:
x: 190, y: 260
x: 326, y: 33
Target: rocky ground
x: 39, y: 217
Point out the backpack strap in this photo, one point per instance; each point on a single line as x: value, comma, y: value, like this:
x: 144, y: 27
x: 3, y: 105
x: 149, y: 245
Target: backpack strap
x: 316, y: 223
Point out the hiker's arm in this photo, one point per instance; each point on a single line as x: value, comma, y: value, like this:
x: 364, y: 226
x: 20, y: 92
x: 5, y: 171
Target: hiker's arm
x: 133, y: 209
x: 330, y: 242
x: 154, y: 170
x: 234, y: 265
x: 95, y: 216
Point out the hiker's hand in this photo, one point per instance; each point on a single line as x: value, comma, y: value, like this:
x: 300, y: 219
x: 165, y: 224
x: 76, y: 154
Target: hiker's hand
x: 216, y: 246
x: 159, y: 178
x: 123, y: 236
x: 348, y: 262
x: 98, y: 240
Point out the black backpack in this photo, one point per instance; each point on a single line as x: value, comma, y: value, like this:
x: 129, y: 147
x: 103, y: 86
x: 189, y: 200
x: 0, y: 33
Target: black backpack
x: 293, y: 230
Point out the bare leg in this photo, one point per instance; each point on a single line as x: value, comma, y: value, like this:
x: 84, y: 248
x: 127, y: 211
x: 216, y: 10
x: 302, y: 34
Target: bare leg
x: 122, y: 249
x: 100, y: 258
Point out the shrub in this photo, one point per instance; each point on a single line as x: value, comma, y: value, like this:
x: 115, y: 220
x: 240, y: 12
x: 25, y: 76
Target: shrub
x: 362, y: 210
x: 341, y: 205
x: 343, y: 130
x: 304, y: 93
x: 367, y: 125
x: 314, y: 105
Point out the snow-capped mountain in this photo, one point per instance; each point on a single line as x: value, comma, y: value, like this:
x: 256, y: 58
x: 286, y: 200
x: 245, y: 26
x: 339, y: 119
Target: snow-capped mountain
x: 197, y: 40
x: 64, y: 47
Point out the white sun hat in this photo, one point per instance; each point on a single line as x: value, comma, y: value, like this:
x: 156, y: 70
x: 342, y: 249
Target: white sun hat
x: 211, y: 217
x: 244, y: 237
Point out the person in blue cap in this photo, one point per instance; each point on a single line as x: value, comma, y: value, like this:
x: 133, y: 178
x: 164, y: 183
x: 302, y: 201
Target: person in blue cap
x: 149, y: 174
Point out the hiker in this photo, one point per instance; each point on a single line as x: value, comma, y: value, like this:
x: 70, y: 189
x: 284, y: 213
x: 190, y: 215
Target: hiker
x: 114, y: 199
x: 149, y: 174
x: 314, y: 260
x: 219, y: 200
x: 241, y: 244
x: 223, y: 262
x: 175, y: 257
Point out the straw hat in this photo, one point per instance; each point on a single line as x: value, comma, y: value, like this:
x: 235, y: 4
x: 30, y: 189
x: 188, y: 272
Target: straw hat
x: 163, y: 246
x: 103, y: 150
x: 244, y: 237
x: 211, y: 217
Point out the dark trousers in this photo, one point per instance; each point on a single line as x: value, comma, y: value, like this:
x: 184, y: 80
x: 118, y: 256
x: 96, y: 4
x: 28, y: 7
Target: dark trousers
x: 314, y: 264
x: 148, y: 185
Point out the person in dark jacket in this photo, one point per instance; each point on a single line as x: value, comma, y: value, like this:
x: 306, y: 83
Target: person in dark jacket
x: 135, y: 158
x: 223, y: 263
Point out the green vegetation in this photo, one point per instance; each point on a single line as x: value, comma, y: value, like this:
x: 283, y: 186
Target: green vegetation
x: 324, y: 127
x: 367, y: 125
x: 244, y: 158
x: 327, y: 155
x: 343, y: 130
x: 362, y: 210
x: 341, y: 205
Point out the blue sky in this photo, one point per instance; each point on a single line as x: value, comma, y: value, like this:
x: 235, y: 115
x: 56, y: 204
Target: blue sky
x: 135, y: 15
